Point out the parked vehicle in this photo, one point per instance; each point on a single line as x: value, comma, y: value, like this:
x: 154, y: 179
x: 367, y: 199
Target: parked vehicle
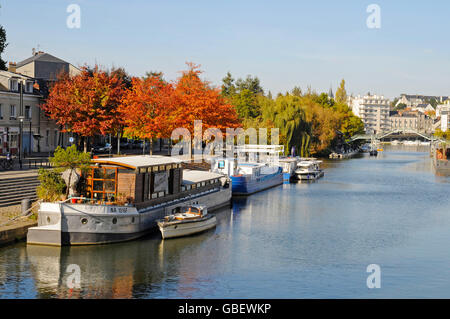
x: 126, y: 145
x: 102, y: 148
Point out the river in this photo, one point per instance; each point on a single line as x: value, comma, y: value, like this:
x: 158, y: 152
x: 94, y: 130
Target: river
x: 293, y: 241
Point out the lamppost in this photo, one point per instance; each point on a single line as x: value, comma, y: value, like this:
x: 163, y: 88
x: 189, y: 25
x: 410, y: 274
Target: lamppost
x: 20, y: 140
x: 21, y: 117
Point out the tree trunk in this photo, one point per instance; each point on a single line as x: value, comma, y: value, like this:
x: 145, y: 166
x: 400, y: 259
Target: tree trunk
x: 118, y: 142
x: 151, y: 146
x: 68, y: 187
x: 84, y: 144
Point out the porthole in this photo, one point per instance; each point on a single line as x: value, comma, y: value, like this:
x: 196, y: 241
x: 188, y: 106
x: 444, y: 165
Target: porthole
x: 84, y: 221
x: 48, y: 219
x: 114, y: 221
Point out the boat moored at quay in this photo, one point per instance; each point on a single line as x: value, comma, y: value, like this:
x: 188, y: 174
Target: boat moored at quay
x: 308, y: 169
x: 255, y: 168
x: 121, y: 198
x: 289, y: 165
x: 187, y: 221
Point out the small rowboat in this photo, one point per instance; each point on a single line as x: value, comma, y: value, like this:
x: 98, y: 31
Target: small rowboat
x: 190, y: 220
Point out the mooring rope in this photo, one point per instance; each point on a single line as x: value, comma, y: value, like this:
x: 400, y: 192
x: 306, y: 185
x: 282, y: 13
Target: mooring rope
x: 26, y: 214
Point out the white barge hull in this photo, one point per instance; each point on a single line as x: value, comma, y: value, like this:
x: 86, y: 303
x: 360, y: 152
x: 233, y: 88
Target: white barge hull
x: 61, y: 224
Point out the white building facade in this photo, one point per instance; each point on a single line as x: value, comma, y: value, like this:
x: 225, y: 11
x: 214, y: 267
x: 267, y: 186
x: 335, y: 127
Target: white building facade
x: 23, y: 125
x: 373, y: 111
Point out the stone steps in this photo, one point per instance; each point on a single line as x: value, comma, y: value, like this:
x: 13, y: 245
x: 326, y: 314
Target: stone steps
x: 14, y: 189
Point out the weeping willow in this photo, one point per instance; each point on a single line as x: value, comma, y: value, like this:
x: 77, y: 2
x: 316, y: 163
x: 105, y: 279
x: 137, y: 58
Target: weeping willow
x: 289, y: 116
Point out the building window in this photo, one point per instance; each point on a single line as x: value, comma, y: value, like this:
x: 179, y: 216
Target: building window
x: 28, y: 112
x: 29, y: 87
x: 14, y: 85
x: 12, y: 112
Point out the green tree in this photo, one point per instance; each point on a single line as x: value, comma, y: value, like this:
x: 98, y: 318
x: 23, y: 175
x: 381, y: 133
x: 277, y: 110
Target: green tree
x: 150, y: 74
x: 400, y: 106
x: 250, y: 83
x: 394, y: 102
x: 296, y: 91
x: 341, y: 93
x: 51, y: 187
x: 69, y: 158
x: 228, y: 87
x: 324, y: 100
x: 441, y: 134
x: 3, y: 45
x: 246, y: 104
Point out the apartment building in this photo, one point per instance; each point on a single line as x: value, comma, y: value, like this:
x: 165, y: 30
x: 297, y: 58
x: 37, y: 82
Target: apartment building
x: 413, y: 101
x: 445, y: 120
x: 412, y: 120
x: 373, y: 111
x: 22, y: 89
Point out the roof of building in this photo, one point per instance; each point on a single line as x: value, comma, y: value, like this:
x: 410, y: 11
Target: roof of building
x: 194, y: 176
x: 9, y: 74
x: 41, y: 56
x: 139, y: 161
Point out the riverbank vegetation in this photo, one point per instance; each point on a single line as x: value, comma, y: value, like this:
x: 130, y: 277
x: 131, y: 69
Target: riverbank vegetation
x: 309, y: 122
x: 100, y: 102
x: 52, y: 186
x: 443, y: 135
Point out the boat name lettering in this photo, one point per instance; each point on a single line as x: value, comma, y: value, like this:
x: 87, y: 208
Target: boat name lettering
x: 118, y: 209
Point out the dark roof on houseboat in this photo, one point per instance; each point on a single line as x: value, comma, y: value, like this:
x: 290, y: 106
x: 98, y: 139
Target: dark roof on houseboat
x: 140, y: 161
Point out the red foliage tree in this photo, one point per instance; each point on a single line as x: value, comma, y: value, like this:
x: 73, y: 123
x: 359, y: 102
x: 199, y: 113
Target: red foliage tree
x: 148, y: 108
x: 86, y: 104
x: 197, y: 100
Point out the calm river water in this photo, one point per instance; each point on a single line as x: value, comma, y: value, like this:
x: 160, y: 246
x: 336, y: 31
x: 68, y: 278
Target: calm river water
x: 293, y: 241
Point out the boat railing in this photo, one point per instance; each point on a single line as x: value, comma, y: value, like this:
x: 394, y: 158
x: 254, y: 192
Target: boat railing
x: 89, y: 201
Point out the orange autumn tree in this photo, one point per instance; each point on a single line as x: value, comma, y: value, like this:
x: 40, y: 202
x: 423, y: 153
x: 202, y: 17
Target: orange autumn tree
x: 147, y: 108
x: 86, y: 104
x: 198, y: 100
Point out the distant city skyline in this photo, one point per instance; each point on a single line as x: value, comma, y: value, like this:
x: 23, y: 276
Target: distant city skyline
x: 285, y: 44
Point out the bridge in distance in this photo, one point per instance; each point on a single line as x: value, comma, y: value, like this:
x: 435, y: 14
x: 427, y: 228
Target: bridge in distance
x: 400, y: 135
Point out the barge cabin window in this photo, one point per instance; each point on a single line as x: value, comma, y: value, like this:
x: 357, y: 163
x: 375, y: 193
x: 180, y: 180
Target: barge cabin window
x: 101, y: 184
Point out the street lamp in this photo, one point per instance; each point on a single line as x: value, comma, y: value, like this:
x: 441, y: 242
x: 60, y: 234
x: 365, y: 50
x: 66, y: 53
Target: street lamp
x: 20, y: 140
x: 21, y: 118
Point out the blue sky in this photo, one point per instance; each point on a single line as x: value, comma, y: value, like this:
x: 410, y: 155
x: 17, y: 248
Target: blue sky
x: 284, y: 43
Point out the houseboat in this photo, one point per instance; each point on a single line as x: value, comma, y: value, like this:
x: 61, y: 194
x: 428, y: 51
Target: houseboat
x: 289, y: 165
x: 255, y: 168
x: 121, y: 198
x: 309, y: 170
x: 255, y: 177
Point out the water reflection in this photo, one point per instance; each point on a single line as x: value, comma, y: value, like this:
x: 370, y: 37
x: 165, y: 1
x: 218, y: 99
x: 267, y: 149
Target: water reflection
x: 310, y: 240
x: 124, y: 270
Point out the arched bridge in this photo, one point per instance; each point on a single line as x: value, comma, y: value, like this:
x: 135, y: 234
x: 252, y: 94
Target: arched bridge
x: 395, y: 135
